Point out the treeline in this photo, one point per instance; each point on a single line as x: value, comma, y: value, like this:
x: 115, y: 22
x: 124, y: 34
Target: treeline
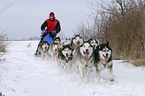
x: 122, y: 23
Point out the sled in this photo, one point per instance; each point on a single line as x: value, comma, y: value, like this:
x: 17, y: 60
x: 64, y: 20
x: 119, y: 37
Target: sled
x: 48, y: 39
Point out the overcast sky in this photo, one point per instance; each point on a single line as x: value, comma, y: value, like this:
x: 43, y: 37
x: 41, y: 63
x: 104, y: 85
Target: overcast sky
x: 24, y: 18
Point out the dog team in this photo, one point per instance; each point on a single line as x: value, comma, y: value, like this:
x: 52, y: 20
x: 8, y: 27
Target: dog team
x: 83, y: 54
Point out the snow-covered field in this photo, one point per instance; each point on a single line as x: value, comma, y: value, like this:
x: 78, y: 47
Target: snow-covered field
x: 23, y: 74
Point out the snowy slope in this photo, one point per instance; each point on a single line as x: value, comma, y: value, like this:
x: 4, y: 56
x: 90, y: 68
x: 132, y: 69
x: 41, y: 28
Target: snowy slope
x: 23, y: 74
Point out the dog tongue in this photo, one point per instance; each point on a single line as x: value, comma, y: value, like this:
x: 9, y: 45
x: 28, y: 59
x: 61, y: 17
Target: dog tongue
x: 106, y: 59
x: 86, y: 57
x: 66, y: 61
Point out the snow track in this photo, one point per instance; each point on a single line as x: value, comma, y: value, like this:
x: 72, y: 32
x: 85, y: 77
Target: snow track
x: 23, y: 74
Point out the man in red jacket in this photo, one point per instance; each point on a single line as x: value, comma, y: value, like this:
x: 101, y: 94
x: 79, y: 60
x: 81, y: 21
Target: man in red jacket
x: 51, y: 26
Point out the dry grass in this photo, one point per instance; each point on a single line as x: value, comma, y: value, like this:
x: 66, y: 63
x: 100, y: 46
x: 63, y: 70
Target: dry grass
x: 122, y: 23
x: 139, y: 63
x: 1, y: 94
x: 3, y: 45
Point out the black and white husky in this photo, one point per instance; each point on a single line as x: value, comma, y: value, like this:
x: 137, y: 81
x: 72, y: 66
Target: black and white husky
x: 76, y: 41
x: 67, y: 42
x: 103, y: 60
x: 57, y: 40
x: 65, y: 56
x: 94, y: 42
x: 44, y: 48
x: 85, y: 59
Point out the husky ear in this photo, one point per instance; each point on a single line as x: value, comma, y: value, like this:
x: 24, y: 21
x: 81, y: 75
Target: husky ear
x: 80, y: 35
x: 107, y: 42
x: 74, y: 35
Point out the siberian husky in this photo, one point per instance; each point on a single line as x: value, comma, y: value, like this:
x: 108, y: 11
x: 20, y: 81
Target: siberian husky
x: 53, y: 50
x: 76, y: 41
x: 65, y: 56
x: 44, y: 48
x: 67, y: 42
x: 85, y: 59
x: 94, y: 43
x: 57, y: 40
x: 103, y: 60
x: 60, y: 46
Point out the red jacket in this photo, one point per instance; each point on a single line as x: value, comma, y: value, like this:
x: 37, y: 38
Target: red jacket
x: 51, y: 25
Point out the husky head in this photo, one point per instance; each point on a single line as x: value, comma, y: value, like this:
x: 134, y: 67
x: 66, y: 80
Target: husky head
x: 104, y: 52
x: 94, y: 43
x: 45, y: 46
x: 57, y: 40
x: 77, y: 40
x: 86, y: 50
x: 67, y: 53
x: 67, y: 41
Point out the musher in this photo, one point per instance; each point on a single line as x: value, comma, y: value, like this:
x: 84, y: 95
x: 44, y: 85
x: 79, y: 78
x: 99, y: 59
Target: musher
x: 49, y: 29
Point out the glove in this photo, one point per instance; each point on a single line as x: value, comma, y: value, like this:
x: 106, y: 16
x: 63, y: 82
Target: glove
x: 44, y: 30
x: 54, y: 31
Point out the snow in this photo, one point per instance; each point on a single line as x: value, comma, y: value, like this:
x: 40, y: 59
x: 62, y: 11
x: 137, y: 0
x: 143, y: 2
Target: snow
x: 23, y: 74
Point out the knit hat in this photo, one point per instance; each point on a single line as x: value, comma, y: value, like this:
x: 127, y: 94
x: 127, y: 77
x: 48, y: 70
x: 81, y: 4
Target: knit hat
x: 51, y: 14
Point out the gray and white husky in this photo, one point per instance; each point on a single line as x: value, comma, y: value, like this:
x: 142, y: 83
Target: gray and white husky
x: 85, y: 59
x: 65, y: 56
x: 103, y: 60
x: 76, y: 42
x: 44, y: 48
x: 53, y: 50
